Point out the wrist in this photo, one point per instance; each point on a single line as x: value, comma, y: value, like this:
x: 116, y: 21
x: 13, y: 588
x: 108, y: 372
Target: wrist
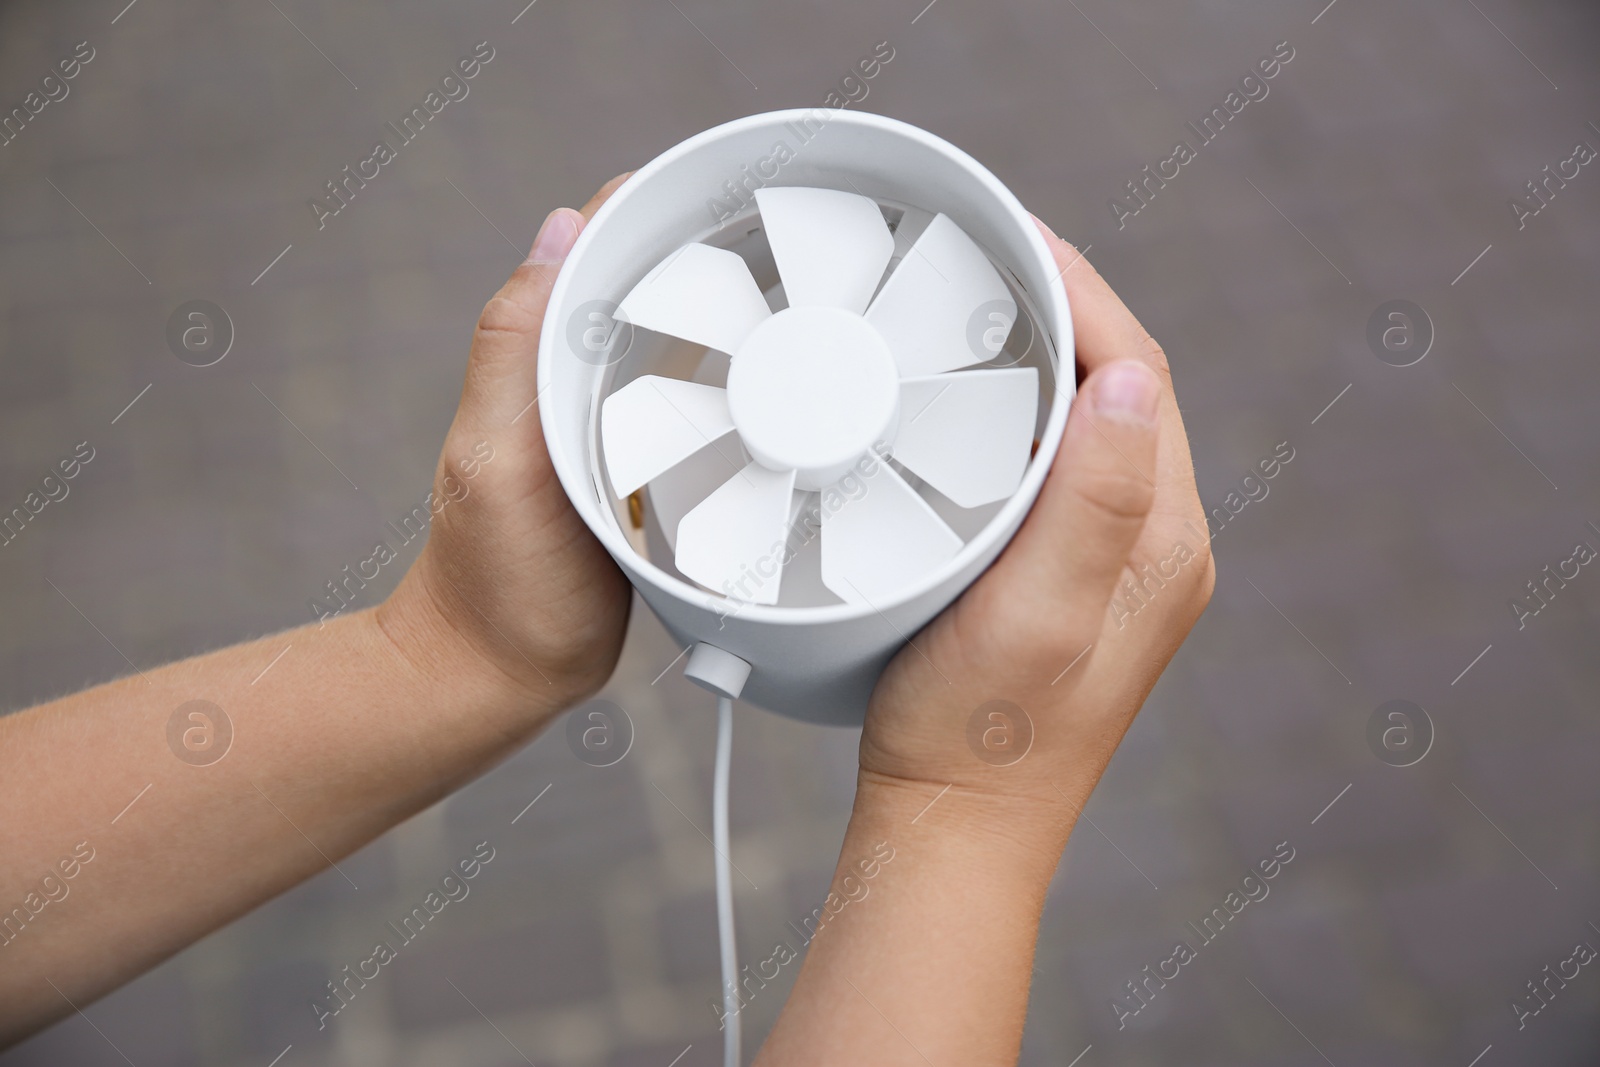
x: 1020, y: 835
x: 423, y: 632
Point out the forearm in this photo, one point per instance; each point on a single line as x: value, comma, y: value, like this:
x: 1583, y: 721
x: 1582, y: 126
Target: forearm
x: 361, y: 723
x: 928, y: 959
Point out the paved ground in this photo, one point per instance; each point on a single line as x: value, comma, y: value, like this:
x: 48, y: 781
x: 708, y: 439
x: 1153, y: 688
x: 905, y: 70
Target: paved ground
x: 1380, y: 565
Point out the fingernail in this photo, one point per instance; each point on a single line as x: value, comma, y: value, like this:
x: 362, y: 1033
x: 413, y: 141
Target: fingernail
x: 555, y: 240
x: 1127, y: 391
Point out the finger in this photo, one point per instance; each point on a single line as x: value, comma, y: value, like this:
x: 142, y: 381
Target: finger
x: 602, y: 195
x: 1104, y: 331
x: 1103, y: 327
x: 1075, y: 542
x: 502, y: 371
x: 505, y: 345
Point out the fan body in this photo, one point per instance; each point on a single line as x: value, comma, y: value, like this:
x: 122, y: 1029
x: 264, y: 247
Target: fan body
x: 803, y: 375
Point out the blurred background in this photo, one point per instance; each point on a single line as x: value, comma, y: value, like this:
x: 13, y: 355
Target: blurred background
x: 1437, y: 869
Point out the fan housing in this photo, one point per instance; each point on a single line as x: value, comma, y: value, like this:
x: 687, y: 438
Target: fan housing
x: 807, y: 355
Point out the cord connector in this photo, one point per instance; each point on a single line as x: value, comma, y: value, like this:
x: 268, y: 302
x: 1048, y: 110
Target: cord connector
x: 717, y: 670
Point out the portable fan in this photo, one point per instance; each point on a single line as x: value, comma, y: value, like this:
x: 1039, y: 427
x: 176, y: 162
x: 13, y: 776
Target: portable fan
x: 827, y: 388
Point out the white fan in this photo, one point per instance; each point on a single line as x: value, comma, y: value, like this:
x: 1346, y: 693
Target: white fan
x: 826, y: 388
x: 860, y: 389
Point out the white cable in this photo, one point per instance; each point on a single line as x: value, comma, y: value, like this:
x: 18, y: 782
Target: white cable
x: 719, y: 831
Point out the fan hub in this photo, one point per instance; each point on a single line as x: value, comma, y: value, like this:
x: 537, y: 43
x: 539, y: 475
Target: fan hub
x: 814, y: 389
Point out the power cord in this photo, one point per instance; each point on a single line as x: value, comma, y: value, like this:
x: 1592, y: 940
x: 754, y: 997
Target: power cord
x: 725, y: 933
x: 724, y: 674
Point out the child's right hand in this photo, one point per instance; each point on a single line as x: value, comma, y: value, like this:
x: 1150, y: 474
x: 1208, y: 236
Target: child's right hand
x: 1050, y: 629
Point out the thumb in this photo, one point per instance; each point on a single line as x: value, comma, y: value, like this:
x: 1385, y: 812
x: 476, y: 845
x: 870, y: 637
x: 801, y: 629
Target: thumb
x: 502, y: 371
x: 1101, y: 487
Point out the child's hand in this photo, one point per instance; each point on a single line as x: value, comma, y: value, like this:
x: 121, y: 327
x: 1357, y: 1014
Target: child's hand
x: 1051, y: 629
x: 511, y: 584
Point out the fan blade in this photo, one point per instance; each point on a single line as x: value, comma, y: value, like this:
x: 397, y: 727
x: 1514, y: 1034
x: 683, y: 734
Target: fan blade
x: 937, y: 304
x: 733, y: 541
x: 675, y: 492
x: 883, y: 540
x: 830, y: 247
x: 969, y: 435
x: 802, y: 575
x: 701, y: 294
x: 654, y: 423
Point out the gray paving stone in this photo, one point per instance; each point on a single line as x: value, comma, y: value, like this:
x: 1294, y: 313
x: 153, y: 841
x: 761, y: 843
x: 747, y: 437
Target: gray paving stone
x: 557, y: 960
